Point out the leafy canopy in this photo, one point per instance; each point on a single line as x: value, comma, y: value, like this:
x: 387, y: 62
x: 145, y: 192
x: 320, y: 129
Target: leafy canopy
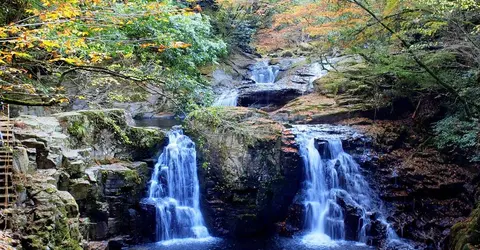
x: 146, y: 42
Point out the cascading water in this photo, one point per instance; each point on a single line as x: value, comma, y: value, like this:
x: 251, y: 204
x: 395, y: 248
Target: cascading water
x: 175, y: 192
x: 262, y: 72
x: 333, y: 184
x: 228, y: 98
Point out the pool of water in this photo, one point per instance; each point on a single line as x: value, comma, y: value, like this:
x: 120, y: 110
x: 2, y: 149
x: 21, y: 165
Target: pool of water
x: 249, y: 244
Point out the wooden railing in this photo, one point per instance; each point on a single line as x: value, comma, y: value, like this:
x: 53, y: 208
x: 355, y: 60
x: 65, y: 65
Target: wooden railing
x: 7, y: 192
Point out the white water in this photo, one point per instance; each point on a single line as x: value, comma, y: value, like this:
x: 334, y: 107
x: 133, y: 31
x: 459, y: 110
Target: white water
x: 228, y: 98
x: 262, y: 72
x: 333, y: 176
x: 175, y: 192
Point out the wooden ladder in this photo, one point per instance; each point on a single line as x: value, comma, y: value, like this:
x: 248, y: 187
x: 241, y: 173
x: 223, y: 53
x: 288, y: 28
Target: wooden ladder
x: 7, y: 192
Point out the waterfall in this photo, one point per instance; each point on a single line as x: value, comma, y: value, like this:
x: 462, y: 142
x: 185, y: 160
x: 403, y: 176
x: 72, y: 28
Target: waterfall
x: 262, y: 72
x: 228, y: 98
x: 175, y: 191
x: 339, y: 204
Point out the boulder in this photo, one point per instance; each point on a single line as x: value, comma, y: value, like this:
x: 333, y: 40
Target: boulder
x: 113, y: 198
x: 81, y: 163
x: 465, y: 235
x: 47, y: 218
x: 249, y: 170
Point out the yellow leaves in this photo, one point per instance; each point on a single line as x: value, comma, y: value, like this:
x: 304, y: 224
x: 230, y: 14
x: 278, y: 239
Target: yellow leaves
x: 80, y: 43
x: 96, y: 57
x: 21, y: 55
x: 73, y: 60
x: 46, y: 3
x: 2, y: 61
x: 3, y: 32
x: 28, y: 88
x: 145, y: 45
x: 49, y: 45
x: 81, y: 97
x: 6, y: 87
x: 69, y: 60
x: 63, y: 100
x: 180, y: 45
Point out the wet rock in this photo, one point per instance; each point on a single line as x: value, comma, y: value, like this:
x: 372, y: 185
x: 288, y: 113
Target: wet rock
x: 426, y: 194
x: 248, y: 178
x: 352, y: 217
x: 262, y: 96
x: 114, y: 195
x: 376, y: 232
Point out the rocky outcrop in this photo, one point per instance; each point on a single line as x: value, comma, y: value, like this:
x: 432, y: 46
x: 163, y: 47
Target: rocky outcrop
x: 425, y: 193
x: 314, y: 109
x: 249, y: 170
x: 266, y: 97
x: 45, y: 216
x: 84, y: 163
x: 465, y: 235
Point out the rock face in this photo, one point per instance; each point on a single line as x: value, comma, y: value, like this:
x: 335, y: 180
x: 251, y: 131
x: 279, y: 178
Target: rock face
x: 249, y: 170
x: 81, y: 173
x: 47, y: 217
x: 465, y: 235
x: 425, y: 194
x: 110, y: 199
x: 267, y: 97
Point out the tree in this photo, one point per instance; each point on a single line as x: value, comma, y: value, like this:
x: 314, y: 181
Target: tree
x: 145, y: 43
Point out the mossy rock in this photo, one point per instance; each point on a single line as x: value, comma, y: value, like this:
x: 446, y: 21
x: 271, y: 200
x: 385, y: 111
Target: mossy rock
x: 109, y: 129
x: 466, y: 235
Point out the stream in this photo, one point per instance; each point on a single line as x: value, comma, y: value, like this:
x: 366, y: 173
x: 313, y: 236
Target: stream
x: 341, y: 211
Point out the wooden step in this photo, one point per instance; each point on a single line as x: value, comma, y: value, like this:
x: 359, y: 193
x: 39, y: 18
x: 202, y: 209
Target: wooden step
x: 9, y: 188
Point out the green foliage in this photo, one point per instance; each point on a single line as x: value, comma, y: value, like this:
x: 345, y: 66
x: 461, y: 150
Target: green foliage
x: 77, y: 129
x: 238, y: 21
x: 458, y: 135
x: 153, y: 45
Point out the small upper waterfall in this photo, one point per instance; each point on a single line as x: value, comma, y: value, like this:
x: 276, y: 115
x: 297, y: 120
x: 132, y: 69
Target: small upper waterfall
x: 262, y: 72
x: 228, y: 98
x: 174, y: 189
x: 334, y: 184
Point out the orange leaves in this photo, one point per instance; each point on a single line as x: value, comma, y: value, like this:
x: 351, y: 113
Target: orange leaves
x: 180, y: 45
x: 8, y: 88
x: 296, y: 22
x: 96, y: 57
x: 146, y: 45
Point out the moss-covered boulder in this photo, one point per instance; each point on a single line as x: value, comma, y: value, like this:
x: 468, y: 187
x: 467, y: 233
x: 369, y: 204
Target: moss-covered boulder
x: 112, y: 199
x: 49, y: 218
x: 89, y: 156
x: 109, y: 135
x: 465, y: 235
x: 249, y: 169
x: 317, y: 108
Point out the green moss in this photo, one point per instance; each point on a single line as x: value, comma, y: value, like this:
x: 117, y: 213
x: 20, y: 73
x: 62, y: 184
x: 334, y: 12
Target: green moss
x: 112, y: 120
x: 466, y: 235
x: 145, y: 137
x: 19, y: 188
x: 131, y: 176
x: 77, y: 129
